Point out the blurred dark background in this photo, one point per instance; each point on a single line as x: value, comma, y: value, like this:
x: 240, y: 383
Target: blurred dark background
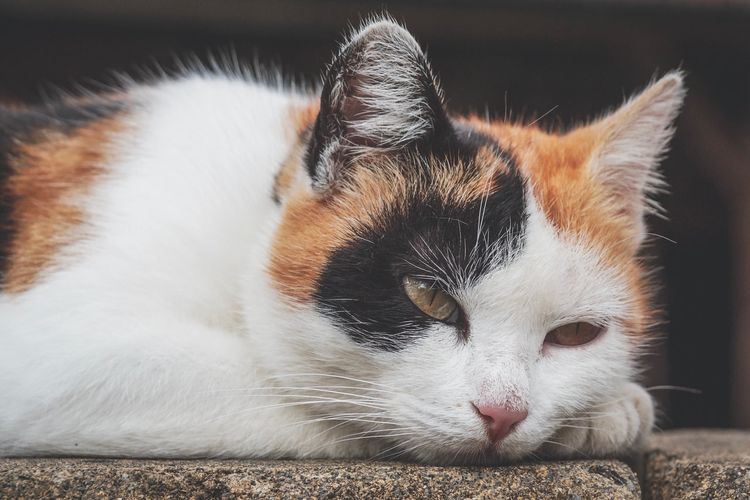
x: 564, y: 60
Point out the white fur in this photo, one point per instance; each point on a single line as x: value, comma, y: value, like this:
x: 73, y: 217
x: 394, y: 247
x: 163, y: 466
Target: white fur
x: 637, y: 136
x: 160, y: 335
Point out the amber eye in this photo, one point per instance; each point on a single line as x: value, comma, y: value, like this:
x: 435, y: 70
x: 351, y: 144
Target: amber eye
x: 431, y: 300
x: 573, y: 334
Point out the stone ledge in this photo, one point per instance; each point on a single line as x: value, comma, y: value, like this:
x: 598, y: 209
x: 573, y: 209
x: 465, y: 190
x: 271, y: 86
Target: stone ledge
x: 100, y: 478
x: 677, y: 464
x: 698, y: 464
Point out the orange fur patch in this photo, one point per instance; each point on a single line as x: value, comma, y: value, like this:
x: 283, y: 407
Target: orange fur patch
x: 315, y: 225
x: 302, y: 117
x: 50, y: 173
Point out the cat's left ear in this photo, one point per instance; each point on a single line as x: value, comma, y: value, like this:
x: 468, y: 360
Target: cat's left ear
x: 379, y: 95
x: 630, y: 144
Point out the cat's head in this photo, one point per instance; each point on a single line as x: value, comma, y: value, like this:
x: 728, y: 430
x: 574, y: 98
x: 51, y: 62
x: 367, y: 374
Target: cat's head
x: 437, y: 272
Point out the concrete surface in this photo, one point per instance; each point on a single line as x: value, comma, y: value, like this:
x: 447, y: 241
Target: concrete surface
x: 89, y: 478
x: 699, y: 464
x: 686, y: 464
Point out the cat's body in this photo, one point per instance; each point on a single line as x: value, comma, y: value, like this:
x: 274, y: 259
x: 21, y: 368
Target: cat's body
x: 213, y: 267
x: 153, y: 302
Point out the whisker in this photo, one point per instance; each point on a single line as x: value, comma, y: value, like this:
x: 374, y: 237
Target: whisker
x: 586, y: 427
x: 370, y: 435
x: 296, y: 403
x: 331, y: 375
x: 545, y: 114
x: 320, y: 388
x: 576, y: 450
x: 690, y: 390
x: 662, y: 237
x: 385, y: 452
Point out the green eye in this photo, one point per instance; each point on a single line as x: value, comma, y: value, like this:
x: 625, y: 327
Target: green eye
x: 432, y: 301
x: 573, y: 334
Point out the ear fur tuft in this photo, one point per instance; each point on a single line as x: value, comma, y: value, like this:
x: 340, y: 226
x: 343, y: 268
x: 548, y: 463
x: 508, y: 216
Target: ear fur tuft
x: 379, y: 93
x: 632, y: 141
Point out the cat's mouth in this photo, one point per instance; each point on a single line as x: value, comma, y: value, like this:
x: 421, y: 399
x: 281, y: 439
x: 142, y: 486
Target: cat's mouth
x: 483, y: 456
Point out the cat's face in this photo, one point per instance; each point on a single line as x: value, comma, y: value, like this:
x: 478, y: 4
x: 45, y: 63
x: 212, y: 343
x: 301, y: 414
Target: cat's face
x: 461, y: 289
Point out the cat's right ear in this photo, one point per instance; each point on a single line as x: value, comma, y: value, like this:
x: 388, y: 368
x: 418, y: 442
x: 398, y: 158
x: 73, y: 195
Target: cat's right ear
x: 379, y: 95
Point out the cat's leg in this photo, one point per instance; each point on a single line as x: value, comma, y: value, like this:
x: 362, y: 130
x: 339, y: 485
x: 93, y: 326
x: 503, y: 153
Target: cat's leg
x: 613, y: 428
x: 154, y: 386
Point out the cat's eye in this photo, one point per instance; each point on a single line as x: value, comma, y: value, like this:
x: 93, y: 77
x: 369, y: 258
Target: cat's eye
x: 431, y: 300
x: 573, y: 334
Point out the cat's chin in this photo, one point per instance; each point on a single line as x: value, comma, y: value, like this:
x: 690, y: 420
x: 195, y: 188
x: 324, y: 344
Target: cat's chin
x: 479, y: 457
x: 484, y: 454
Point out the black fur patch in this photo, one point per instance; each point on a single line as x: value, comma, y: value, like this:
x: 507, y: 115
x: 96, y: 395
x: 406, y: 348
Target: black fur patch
x: 361, y: 287
x: 20, y: 126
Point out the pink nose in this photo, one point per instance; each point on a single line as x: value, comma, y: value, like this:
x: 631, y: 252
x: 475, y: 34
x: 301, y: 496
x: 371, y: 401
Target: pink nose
x: 499, y: 420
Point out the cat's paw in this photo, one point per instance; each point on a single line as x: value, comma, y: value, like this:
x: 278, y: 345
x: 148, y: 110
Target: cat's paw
x: 614, y: 428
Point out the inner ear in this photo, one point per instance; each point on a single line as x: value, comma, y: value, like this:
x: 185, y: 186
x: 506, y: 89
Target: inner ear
x: 632, y: 140
x: 379, y: 96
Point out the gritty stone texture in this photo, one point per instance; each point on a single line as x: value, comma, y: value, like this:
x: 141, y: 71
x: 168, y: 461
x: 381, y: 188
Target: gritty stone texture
x: 698, y: 464
x: 94, y: 478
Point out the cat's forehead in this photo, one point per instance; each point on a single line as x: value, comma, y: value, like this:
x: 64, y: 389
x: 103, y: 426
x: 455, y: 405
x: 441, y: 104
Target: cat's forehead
x: 460, y: 205
x: 449, y: 217
x: 406, y: 190
x: 454, y: 215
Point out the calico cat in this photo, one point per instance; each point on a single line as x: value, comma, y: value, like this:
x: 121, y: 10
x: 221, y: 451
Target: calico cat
x: 213, y: 266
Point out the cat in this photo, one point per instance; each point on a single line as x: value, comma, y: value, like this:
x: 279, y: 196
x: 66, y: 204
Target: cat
x: 212, y: 266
